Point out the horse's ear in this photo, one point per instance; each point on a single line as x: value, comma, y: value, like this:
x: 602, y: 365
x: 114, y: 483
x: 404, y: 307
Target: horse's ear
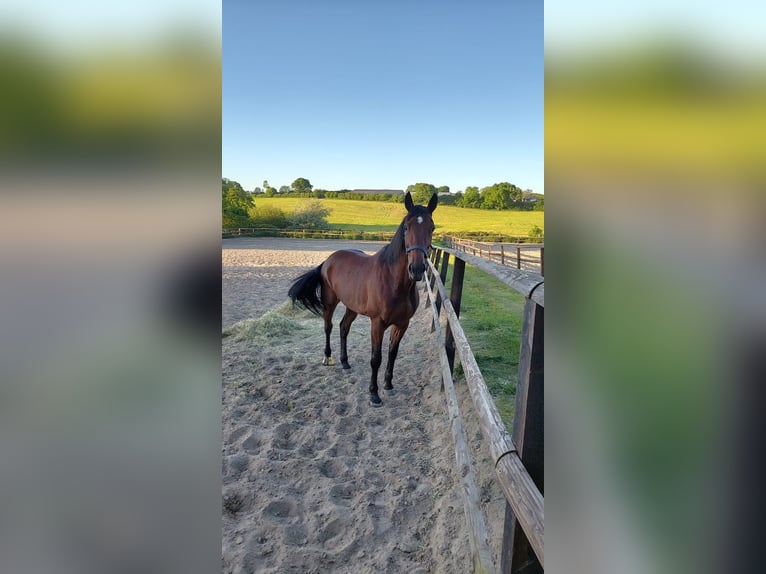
x: 408, y: 202
x: 432, y: 203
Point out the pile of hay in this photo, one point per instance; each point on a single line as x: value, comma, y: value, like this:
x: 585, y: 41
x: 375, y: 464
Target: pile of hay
x: 280, y: 323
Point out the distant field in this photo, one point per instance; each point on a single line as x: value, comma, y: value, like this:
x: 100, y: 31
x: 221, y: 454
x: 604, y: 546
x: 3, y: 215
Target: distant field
x: 384, y: 216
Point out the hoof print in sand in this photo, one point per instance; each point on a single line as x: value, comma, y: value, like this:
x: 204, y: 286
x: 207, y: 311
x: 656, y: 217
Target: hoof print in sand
x: 252, y: 444
x: 280, y: 510
x: 332, y: 468
x: 296, y: 535
x: 343, y: 493
x: 284, y: 437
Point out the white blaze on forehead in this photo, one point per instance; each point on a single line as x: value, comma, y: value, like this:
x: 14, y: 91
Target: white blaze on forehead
x: 420, y: 219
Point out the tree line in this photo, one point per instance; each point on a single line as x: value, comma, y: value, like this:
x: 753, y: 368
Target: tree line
x: 239, y: 208
x: 499, y: 196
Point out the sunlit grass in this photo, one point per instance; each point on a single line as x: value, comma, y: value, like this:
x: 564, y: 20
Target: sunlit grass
x: 491, y: 316
x: 384, y: 216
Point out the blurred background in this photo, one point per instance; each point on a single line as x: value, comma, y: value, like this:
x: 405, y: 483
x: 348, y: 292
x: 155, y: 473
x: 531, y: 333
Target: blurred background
x: 110, y: 307
x: 655, y: 155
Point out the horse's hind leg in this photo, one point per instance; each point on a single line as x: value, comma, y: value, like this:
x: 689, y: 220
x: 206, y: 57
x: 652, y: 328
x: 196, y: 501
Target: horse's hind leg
x: 327, y: 314
x: 345, y: 327
x: 396, y: 334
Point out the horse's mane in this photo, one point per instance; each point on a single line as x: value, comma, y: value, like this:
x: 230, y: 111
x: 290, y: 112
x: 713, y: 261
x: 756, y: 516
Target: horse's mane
x: 391, y: 253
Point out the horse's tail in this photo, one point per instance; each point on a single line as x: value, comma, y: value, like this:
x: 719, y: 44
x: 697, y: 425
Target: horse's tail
x: 307, y: 291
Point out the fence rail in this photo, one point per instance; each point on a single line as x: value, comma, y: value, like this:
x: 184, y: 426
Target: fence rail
x: 526, y: 256
x: 518, y: 459
x: 308, y: 233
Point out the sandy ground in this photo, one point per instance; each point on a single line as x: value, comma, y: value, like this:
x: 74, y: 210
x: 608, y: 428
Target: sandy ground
x: 314, y: 479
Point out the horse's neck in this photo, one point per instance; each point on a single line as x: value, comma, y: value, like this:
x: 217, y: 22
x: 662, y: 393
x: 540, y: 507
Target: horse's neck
x: 400, y: 276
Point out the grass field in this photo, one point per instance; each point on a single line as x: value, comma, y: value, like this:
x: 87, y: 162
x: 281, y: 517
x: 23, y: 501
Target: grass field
x: 384, y: 216
x: 491, y: 316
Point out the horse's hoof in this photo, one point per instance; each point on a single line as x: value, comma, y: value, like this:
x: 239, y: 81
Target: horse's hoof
x: 375, y: 401
x: 390, y: 392
x: 346, y: 366
x: 328, y: 362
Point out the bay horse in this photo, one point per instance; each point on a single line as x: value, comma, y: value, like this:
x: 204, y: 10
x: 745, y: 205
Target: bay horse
x: 380, y: 286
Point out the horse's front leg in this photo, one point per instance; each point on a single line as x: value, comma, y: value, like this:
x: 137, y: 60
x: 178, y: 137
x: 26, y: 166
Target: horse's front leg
x: 377, y: 328
x: 397, y: 332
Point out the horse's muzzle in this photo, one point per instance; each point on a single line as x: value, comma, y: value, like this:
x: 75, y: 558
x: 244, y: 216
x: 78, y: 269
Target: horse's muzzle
x: 418, y: 268
x: 416, y: 271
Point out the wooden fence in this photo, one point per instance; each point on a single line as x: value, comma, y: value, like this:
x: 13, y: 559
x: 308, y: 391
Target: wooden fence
x: 517, y: 459
x: 526, y: 256
x: 308, y: 233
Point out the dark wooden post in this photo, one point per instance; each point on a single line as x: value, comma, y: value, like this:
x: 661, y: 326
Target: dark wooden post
x: 445, y: 265
x: 443, y: 277
x: 502, y: 255
x: 456, y: 294
x: 435, y: 257
x: 518, y: 258
x: 528, y: 436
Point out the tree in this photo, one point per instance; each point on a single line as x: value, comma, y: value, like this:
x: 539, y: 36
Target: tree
x: 227, y: 184
x: 421, y: 192
x: 448, y: 199
x: 268, y: 216
x: 536, y: 233
x: 495, y: 197
x: 235, y: 205
x: 500, y: 196
x: 443, y: 189
x: 310, y: 215
x: 470, y: 198
x: 302, y: 185
x: 284, y: 189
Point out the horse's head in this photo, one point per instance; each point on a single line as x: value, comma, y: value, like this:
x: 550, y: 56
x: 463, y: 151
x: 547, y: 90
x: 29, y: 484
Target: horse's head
x: 418, y: 229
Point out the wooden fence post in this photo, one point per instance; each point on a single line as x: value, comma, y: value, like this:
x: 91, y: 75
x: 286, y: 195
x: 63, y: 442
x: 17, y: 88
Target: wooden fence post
x: 456, y: 294
x: 502, y: 255
x: 518, y: 257
x: 528, y: 435
x: 443, y: 277
x: 435, y: 258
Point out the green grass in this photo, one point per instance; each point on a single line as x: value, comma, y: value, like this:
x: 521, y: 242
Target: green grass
x: 384, y: 216
x: 491, y: 315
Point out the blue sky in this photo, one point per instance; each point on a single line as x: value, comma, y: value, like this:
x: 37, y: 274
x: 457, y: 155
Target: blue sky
x: 734, y: 30
x: 354, y: 94
x: 88, y: 25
